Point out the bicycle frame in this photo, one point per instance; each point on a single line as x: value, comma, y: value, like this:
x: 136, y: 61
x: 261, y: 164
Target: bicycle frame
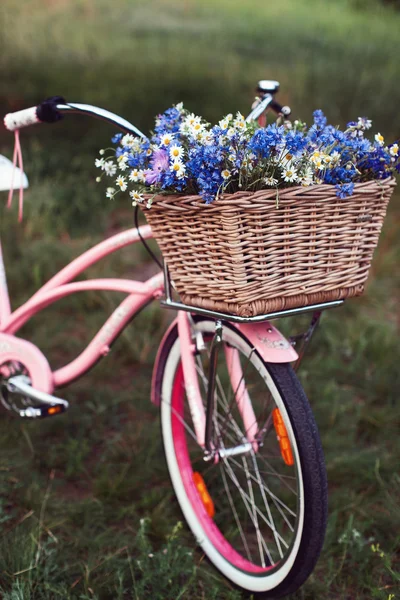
x: 139, y: 295
x: 266, y: 340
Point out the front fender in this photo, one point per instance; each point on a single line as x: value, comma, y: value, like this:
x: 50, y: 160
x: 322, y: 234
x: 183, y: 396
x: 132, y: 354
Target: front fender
x: 271, y: 345
x: 157, y: 373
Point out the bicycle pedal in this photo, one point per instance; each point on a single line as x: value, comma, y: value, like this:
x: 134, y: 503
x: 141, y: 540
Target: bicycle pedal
x: 48, y: 405
x: 42, y: 410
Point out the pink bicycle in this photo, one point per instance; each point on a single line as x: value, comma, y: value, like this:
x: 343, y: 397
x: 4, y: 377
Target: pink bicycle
x: 240, y: 439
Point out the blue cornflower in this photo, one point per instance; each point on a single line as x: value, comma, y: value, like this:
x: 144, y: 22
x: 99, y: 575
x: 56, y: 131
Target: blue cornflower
x: 319, y: 119
x: 344, y: 190
x: 116, y: 138
x: 266, y: 140
x: 327, y: 135
x: 295, y: 142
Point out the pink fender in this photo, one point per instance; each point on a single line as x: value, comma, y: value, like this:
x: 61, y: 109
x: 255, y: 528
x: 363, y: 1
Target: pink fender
x: 266, y: 339
x: 155, y: 384
x: 269, y: 342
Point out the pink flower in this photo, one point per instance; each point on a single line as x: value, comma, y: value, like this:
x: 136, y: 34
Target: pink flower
x: 151, y: 176
x: 159, y: 163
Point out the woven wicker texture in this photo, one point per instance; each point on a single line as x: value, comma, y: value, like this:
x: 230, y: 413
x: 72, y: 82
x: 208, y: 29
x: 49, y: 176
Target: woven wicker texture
x: 249, y: 253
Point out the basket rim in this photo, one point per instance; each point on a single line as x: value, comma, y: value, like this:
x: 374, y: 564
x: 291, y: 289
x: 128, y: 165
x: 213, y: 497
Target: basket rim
x: 325, y: 192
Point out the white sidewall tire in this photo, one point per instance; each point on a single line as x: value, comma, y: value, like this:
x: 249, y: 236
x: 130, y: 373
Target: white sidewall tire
x: 251, y: 582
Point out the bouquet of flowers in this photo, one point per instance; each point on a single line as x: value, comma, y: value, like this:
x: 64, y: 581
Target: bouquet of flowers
x: 186, y: 155
x: 254, y: 219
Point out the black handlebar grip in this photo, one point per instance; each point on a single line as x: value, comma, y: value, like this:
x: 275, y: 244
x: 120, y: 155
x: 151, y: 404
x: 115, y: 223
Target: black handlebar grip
x: 284, y: 110
x: 47, y: 110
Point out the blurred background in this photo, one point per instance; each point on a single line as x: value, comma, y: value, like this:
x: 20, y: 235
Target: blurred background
x: 86, y: 508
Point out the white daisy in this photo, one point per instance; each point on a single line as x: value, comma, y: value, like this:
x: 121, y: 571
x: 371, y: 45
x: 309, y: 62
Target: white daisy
x: 176, y: 152
x: 327, y: 160
x: 318, y: 164
x: 166, y: 139
x: 127, y: 140
x: 316, y: 156
x: 136, y: 197
x: 110, y: 192
x: 122, y: 162
x: 134, y: 175
x: 307, y: 178
x: 184, y: 128
x: 247, y: 164
x: 286, y: 159
x: 290, y: 174
x: 121, y: 182
x: 335, y: 156
x: 110, y: 168
x: 239, y: 122
x: 99, y: 163
x: 199, y: 136
x: 225, y: 174
x: 192, y: 119
x: 394, y: 150
x: 270, y: 181
x: 196, y: 131
x: 178, y: 168
x: 380, y: 139
x: 141, y: 176
x: 224, y: 123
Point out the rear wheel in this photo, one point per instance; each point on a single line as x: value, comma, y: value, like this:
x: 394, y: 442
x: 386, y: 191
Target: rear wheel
x: 259, y: 511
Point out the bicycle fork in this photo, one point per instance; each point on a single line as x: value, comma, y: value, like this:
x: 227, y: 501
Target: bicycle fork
x: 266, y: 340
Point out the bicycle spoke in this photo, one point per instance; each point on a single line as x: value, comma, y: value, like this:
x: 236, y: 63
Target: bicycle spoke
x: 262, y: 490
x: 262, y: 545
x: 255, y: 520
x: 236, y: 517
x: 246, y: 496
x: 186, y: 426
x: 262, y: 458
x: 273, y: 496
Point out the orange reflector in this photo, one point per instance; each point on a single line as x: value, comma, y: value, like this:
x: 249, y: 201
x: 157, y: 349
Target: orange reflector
x: 204, y: 495
x: 282, y: 436
x: 53, y: 410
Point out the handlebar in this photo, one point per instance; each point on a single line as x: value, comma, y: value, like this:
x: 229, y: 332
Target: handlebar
x: 263, y: 104
x: 52, y: 110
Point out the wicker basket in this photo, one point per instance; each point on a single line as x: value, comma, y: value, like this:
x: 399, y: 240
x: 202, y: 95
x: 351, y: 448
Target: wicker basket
x: 245, y: 255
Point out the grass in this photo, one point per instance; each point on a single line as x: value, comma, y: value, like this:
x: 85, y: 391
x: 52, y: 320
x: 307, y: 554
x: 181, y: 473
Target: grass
x: 86, y: 508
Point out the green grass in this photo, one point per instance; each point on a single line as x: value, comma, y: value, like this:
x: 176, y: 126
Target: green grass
x: 86, y: 507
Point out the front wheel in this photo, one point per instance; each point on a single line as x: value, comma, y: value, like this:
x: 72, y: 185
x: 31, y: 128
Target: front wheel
x: 259, y: 511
